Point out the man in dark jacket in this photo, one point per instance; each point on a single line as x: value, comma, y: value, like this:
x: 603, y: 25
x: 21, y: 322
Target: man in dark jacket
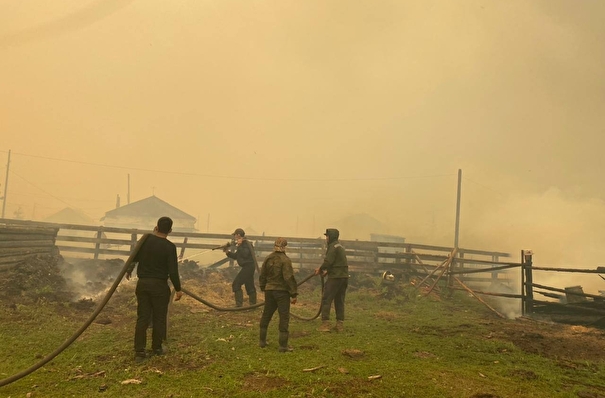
x: 278, y: 282
x: 336, y: 266
x: 246, y: 259
x: 157, y: 261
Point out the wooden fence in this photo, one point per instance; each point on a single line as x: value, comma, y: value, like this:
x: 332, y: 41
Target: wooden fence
x: 306, y: 253
x: 475, y: 271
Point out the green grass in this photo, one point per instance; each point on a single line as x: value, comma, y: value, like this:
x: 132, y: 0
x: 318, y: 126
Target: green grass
x: 420, y: 347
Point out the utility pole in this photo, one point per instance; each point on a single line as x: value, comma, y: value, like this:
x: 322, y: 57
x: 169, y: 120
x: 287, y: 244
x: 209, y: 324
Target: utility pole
x: 457, y: 232
x: 128, y: 193
x: 8, y: 164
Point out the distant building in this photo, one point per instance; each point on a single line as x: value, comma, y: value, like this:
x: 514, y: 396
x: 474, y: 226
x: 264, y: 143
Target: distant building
x: 75, y: 217
x: 358, y: 226
x: 144, y: 215
x: 70, y: 216
x: 387, y: 238
x: 382, y: 238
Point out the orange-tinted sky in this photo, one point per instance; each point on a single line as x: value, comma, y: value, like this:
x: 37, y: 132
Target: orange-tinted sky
x: 286, y: 116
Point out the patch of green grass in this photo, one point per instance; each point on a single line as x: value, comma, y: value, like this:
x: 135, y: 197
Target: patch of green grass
x: 416, y: 347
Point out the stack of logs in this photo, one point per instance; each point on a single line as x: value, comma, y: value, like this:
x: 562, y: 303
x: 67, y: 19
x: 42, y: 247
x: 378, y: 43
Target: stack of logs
x: 17, y: 243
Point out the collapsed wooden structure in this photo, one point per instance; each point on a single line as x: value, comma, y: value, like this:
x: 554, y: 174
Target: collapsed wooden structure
x: 18, y: 242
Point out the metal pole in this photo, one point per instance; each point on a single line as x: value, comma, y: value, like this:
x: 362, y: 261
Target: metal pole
x: 457, y: 232
x: 128, y: 194
x: 6, y: 183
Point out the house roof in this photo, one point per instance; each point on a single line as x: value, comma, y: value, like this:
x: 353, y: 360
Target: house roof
x: 70, y: 216
x: 148, y: 207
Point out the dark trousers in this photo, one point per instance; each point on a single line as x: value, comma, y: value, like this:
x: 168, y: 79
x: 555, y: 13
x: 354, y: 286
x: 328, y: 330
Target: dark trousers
x: 153, y: 297
x: 334, y: 290
x: 244, y: 277
x: 276, y: 300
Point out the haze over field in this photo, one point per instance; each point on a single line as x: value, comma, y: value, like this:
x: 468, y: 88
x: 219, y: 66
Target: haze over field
x: 287, y: 117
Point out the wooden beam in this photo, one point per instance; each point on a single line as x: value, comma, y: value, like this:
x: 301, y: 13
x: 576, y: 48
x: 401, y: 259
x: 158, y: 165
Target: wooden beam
x: 477, y: 297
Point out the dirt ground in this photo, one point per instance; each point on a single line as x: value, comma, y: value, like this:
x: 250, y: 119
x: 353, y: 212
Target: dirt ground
x: 82, y: 283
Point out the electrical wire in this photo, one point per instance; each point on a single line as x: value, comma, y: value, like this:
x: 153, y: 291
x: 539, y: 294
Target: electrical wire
x: 184, y: 173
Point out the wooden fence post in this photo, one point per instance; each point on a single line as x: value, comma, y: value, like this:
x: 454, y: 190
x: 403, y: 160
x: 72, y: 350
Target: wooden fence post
x: 98, y: 243
x: 182, y: 254
x: 527, y: 278
x: 495, y: 259
x: 461, y: 263
x: 133, y: 241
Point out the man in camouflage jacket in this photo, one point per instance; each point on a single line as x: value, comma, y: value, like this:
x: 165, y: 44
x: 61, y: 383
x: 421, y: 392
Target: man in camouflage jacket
x: 279, y: 285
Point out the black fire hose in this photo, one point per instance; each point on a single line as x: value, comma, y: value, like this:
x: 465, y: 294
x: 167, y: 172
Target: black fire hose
x: 215, y: 307
x: 86, y: 324
x: 102, y: 305
x: 319, y: 310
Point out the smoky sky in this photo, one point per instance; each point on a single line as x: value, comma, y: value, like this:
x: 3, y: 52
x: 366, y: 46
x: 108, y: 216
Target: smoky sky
x: 287, y: 117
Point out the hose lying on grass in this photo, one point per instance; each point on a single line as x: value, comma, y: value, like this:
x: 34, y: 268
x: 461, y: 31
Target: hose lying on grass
x: 215, y: 307
x: 86, y: 324
x: 104, y: 302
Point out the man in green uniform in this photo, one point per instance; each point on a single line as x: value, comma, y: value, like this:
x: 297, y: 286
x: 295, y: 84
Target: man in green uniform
x: 336, y: 266
x: 279, y: 285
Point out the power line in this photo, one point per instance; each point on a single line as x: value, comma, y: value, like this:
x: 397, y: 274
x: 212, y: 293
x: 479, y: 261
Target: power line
x: 48, y: 193
x: 485, y: 187
x: 235, y: 177
x: 67, y: 198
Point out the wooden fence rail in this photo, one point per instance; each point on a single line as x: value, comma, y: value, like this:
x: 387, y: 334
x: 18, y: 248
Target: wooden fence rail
x: 18, y: 242
x: 365, y: 256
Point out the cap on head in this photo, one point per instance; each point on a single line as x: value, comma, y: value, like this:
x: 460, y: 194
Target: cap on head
x: 280, y: 244
x: 332, y: 233
x: 239, y: 232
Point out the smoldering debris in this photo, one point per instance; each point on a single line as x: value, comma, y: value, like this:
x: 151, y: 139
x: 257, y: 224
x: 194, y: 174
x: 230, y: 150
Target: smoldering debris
x: 89, y: 279
x: 53, y: 279
x: 37, y: 277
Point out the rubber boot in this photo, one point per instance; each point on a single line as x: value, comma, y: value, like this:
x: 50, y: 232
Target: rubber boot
x: 140, y: 356
x: 325, y: 326
x: 252, y: 298
x: 239, y: 298
x: 283, y: 342
x: 262, y: 341
x: 340, y: 326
